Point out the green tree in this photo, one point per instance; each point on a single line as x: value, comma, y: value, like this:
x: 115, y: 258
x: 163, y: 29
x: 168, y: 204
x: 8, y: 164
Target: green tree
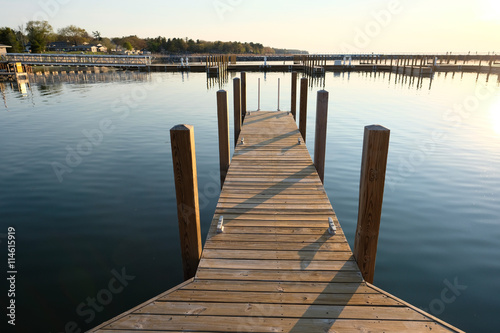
x: 128, y: 46
x: 39, y: 34
x: 9, y: 37
x: 136, y: 42
x: 108, y: 43
x: 74, y: 35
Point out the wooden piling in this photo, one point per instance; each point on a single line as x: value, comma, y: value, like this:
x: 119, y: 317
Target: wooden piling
x: 293, y: 108
x: 320, y: 135
x: 186, y: 190
x: 303, y: 107
x: 223, y: 121
x: 371, y: 192
x: 237, y: 108
x: 243, y: 95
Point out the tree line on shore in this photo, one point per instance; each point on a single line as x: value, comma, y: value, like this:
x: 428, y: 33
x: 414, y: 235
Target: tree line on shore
x: 35, y: 36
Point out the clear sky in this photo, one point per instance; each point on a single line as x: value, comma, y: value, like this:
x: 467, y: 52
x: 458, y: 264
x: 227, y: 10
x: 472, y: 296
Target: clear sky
x: 318, y: 26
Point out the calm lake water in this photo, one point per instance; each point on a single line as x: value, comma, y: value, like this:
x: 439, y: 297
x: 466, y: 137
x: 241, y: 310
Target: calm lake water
x: 82, y: 219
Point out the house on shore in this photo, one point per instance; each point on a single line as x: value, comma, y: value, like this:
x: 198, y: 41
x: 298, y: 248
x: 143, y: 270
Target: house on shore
x: 101, y: 48
x: 85, y: 48
x: 3, y: 49
x: 59, y: 47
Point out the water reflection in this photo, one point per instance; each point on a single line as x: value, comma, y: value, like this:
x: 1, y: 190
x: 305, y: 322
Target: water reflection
x: 4, y: 98
x: 63, y: 77
x: 50, y: 89
x: 218, y: 80
x: 53, y: 83
x: 495, y: 116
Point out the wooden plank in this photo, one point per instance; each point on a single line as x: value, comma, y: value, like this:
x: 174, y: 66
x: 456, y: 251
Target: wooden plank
x: 270, y: 199
x: 323, y: 212
x: 276, y: 224
x: 305, y: 240
x: 290, y: 265
x: 281, y: 246
x: 278, y: 275
x: 278, y: 286
x: 276, y: 255
x: 283, y: 311
x: 274, y: 206
x: 280, y: 298
x: 277, y: 217
x: 237, y: 229
x: 262, y: 324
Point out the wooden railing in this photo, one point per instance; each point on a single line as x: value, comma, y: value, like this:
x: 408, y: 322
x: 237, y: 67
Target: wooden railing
x: 80, y: 59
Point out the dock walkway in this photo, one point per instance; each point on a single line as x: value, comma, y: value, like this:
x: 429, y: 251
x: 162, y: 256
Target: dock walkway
x: 275, y: 268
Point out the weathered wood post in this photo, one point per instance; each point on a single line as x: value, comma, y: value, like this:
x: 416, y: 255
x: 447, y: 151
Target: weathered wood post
x: 258, y: 95
x: 237, y: 109
x: 303, y: 107
x: 223, y: 120
x: 293, y: 108
x: 279, y: 87
x: 243, y: 95
x: 186, y: 190
x: 371, y: 193
x: 320, y: 135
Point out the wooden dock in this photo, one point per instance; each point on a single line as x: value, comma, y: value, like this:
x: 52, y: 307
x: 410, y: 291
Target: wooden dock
x: 275, y: 267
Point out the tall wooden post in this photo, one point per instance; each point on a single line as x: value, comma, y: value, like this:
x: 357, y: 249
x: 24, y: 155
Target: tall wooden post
x: 186, y: 190
x: 293, y: 108
x: 243, y: 95
x: 303, y: 107
x: 223, y: 120
x: 371, y: 193
x: 237, y: 109
x: 320, y: 135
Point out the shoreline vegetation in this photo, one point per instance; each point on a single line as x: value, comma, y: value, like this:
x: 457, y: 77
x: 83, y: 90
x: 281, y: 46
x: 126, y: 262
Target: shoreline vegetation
x: 40, y: 37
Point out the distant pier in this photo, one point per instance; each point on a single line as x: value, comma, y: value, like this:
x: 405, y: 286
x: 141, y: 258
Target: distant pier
x: 312, y: 64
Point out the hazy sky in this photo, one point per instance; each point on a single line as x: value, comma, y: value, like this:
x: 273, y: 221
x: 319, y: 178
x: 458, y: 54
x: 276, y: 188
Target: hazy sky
x: 319, y: 26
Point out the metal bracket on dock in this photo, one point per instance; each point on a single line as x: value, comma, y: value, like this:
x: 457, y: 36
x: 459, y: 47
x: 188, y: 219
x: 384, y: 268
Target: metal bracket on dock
x: 299, y: 141
x: 332, y: 229
x: 220, y: 226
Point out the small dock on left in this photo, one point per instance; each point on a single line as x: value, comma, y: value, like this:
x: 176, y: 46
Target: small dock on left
x: 14, y: 71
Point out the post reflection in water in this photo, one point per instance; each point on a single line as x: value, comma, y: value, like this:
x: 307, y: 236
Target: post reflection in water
x: 52, y: 83
x: 218, y: 80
